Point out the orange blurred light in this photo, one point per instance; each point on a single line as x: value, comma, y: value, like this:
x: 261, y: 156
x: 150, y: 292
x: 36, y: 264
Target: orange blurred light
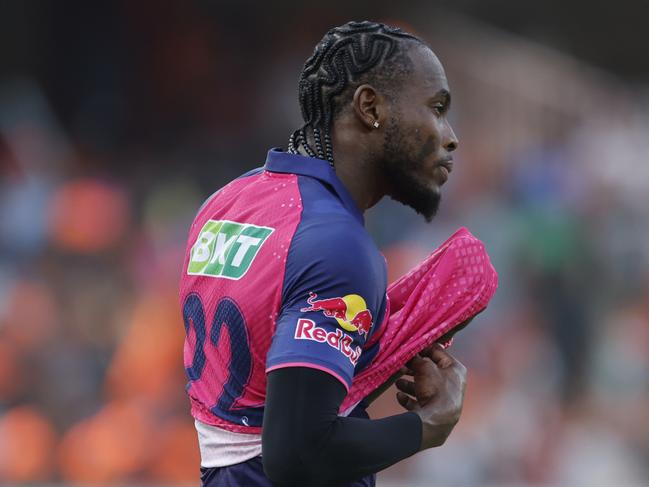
x: 87, y: 216
x: 111, y: 446
x: 177, y: 459
x: 31, y: 315
x: 26, y: 443
x: 147, y: 362
x: 9, y: 369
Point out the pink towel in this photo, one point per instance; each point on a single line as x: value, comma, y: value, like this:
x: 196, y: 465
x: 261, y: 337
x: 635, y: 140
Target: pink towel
x: 453, y: 284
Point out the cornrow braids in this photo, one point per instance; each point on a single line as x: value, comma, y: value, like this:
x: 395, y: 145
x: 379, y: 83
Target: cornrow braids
x: 345, y: 58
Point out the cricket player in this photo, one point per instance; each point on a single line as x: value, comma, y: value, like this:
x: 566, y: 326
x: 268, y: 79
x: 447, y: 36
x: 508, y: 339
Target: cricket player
x: 283, y: 289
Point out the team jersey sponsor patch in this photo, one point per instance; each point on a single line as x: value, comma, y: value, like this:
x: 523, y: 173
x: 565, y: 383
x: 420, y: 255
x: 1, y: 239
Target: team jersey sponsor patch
x: 350, y: 311
x: 308, y: 330
x: 226, y: 249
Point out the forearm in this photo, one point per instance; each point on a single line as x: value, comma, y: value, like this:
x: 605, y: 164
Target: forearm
x: 354, y: 448
x: 305, y: 442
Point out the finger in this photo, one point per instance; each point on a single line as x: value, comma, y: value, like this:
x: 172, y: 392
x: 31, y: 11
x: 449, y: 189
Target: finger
x: 406, y: 401
x: 406, y: 371
x: 428, y: 351
x: 406, y: 386
x: 411, y: 361
x: 422, y: 366
x: 438, y: 354
x: 427, y: 379
x: 441, y: 357
x: 426, y: 390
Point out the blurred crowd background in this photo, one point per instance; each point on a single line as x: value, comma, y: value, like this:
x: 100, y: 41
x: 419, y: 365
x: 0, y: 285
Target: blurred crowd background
x: 117, y: 118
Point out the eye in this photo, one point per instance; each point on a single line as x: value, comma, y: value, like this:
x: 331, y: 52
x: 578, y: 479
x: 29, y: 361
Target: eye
x: 439, y: 108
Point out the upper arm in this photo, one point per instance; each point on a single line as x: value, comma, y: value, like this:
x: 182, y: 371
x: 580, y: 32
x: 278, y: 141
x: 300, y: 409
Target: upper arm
x: 330, y: 301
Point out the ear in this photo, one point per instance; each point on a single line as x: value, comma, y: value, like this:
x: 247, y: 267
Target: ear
x: 368, y: 106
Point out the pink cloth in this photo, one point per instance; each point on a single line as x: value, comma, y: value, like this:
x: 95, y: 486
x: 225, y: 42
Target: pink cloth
x: 453, y: 284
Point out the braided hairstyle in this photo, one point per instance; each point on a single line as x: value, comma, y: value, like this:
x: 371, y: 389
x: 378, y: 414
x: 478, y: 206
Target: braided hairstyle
x: 344, y: 59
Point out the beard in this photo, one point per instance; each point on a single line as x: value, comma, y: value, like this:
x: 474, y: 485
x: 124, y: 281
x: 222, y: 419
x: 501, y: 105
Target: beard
x: 402, y: 163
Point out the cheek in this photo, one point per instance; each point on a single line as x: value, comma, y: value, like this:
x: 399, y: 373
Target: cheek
x: 420, y: 135
x: 435, y: 127
x: 429, y: 129
x: 428, y: 147
x: 428, y: 138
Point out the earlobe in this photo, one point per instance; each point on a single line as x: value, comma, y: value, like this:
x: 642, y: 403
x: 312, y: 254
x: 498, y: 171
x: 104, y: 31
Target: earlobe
x: 367, y: 106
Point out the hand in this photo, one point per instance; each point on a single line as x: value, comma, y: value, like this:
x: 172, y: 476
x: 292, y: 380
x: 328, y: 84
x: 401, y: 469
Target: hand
x: 436, y: 394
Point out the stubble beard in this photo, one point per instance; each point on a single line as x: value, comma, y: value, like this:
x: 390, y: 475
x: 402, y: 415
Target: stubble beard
x: 401, y: 165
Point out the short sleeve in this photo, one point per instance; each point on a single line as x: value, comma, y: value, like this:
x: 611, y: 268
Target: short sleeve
x: 332, y: 293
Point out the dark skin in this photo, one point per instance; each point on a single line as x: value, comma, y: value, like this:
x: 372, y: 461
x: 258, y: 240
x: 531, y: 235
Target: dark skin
x: 436, y: 393
x: 419, y: 110
x: 405, y: 370
x: 407, y: 157
x: 416, y: 115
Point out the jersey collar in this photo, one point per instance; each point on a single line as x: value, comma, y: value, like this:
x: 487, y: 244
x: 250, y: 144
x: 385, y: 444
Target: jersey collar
x: 280, y: 161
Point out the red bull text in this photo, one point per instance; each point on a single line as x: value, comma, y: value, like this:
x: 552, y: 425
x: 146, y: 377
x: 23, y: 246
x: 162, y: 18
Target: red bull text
x: 308, y: 330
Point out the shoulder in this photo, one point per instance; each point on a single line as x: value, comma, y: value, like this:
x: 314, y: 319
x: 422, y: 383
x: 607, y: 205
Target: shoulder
x: 237, y: 181
x: 328, y: 228
x: 334, y: 255
x: 336, y: 241
x: 330, y: 248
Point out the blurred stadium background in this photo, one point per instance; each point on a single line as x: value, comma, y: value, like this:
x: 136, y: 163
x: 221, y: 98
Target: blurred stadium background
x: 117, y: 118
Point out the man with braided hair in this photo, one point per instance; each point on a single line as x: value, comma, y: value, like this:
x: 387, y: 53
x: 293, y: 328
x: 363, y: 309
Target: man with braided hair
x: 284, y: 292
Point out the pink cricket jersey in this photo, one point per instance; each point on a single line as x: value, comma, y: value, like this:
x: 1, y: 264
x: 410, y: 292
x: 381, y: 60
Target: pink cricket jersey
x: 280, y: 272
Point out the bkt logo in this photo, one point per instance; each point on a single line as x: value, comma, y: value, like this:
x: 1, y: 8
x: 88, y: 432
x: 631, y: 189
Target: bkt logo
x: 226, y: 249
x: 350, y: 311
x: 308, y: 330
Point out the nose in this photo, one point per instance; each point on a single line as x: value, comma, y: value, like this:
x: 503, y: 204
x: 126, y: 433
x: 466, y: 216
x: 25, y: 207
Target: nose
x: 450, y: 139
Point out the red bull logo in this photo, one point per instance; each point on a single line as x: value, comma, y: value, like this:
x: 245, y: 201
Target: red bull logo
x: 350, y: 311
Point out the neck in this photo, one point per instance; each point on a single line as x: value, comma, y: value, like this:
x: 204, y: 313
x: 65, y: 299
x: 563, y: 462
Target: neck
x: 361, y: 187
x: 354, y: 167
